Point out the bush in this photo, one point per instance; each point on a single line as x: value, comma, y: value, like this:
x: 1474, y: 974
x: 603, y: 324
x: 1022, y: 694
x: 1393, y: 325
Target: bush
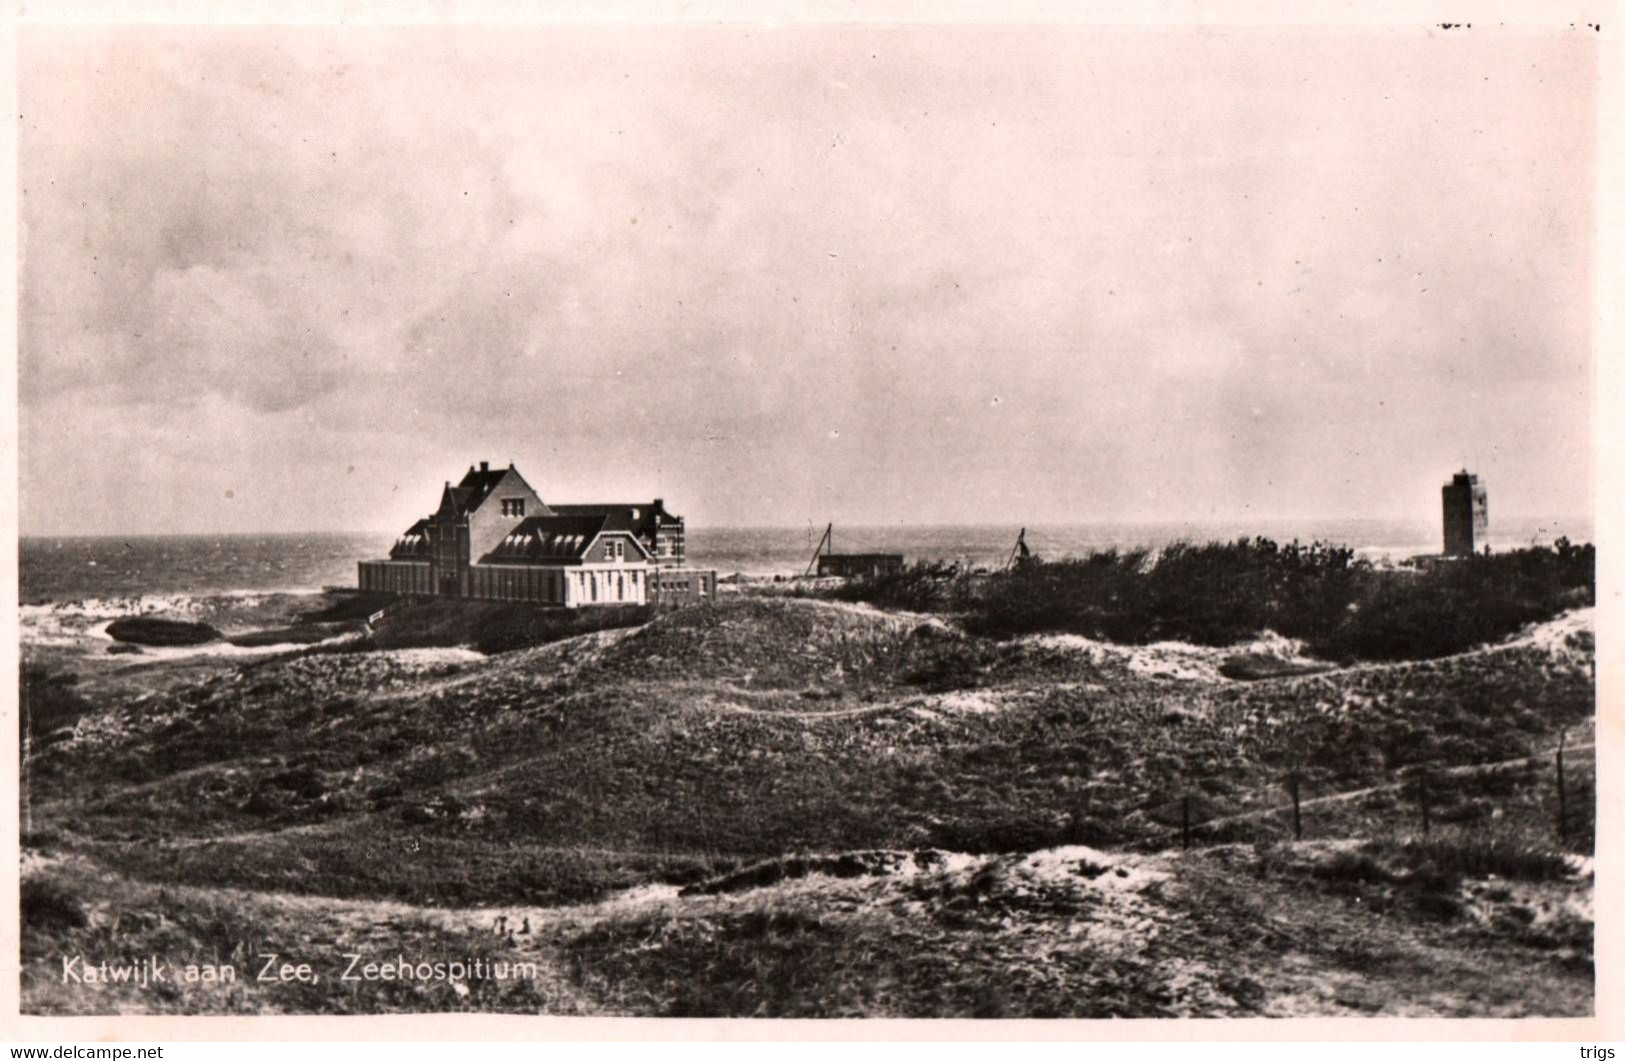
x: 1259, y: 666
x: 1350, y: 867
x: 1485, y: 856
x: 1223, y: 593
x: 50, y: 700
x: 794, y: 867
x: 1440, y: 906
x: 492, y: 628
x: 50, y: 906
x: 917, y: 588
x: 349, y: 607
x: 303, y: 634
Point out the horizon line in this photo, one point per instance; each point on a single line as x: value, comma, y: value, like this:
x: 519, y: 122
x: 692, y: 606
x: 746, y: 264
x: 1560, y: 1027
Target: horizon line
x: 1165, y: 522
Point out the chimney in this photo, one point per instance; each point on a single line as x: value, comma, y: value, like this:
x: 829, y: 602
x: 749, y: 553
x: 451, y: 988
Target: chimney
x: 485, y: 466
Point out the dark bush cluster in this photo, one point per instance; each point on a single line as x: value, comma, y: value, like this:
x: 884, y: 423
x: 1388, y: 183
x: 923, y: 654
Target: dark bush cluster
x: 493, y: 627
x: 920, y: 587
x: 1482, y: 855
x: 47, y: 905
x: 1221, y: 593
x: 1455, y: 605
x: 50, y: 701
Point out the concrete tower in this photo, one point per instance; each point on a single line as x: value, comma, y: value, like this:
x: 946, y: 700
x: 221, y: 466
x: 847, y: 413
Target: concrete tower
x: 1466, y: 514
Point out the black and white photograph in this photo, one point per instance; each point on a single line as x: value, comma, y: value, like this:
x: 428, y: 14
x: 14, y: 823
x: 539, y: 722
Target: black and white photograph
x: 773, y: 517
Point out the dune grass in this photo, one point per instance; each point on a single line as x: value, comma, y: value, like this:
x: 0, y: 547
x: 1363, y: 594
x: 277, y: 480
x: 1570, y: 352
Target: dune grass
x: 757, y: 751
x: 748, y: 729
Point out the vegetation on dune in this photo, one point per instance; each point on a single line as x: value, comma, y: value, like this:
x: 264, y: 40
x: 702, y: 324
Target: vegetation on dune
x: 50, y: 701
x: 301, y: 634
x: 1224, y: 593
x: 72, y: 908
x: 798, y: 768
x: 348, y: 607
x: 1510, y: 881
x: 919, y: 587
x: 1261, y: 666
x: 48, y: 905
x: 1313, y: 930
x: 719, y: 736
x: 492, y: 627
x: 1283, y: 930
x: 1480, y: 854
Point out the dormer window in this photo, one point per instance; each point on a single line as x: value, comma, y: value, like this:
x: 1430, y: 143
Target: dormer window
x: 513, y: 506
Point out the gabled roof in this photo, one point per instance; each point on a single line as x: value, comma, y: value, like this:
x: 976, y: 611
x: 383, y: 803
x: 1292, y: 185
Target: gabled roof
x: 639, y: 517
x: 459, y: 500
x: 554, y: 539
x: 478, y: 484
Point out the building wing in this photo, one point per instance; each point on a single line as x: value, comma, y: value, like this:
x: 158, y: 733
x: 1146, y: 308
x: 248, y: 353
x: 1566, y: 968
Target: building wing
x: 414, y: 544
x: 642, y: 518
x: 548, y: 539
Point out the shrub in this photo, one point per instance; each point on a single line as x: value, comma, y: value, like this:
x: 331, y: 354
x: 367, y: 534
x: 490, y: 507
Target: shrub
x: 919, y: 587
x: 50, y: 906
x: 49, y: 700
x: 1352, y: 867
x: 794, y: 867
x: 348, y: 607
x: 1223, y: 593
x: 492, y: 627
x: 1440, y: 905
x: 1259, y: 666
x: 1481, y: 855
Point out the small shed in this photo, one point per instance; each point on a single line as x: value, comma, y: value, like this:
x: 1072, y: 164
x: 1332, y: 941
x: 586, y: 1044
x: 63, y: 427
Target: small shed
x: 859, y: 565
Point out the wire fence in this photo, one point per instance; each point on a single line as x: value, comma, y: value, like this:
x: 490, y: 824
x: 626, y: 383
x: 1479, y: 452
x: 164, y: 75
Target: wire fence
x: 1557, y: 786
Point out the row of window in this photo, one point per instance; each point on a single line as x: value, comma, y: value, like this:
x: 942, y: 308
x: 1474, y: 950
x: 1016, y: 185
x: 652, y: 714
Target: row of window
x: 534, y: 584
x: 384, y: 577
x: 681, y: 586
x: 610, y: 588
x: 545, y: 586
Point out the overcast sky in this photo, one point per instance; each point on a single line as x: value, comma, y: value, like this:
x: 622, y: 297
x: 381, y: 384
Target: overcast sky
x: 293, y: 280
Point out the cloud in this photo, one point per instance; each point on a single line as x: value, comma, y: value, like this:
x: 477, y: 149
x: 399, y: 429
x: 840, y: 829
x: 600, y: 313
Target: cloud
x: 715, y: 247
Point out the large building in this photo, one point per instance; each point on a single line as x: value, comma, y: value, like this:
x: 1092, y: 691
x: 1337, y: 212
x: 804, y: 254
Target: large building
x: 1466, y: 514
x: 493, y: 538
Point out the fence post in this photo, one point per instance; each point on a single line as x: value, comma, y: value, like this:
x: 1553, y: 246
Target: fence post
x: 1297, y: 809
x: 1185, y: 822
x: 1562, y: 793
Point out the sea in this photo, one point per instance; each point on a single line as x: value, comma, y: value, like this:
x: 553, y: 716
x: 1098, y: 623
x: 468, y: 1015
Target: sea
x: 58, y: 570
